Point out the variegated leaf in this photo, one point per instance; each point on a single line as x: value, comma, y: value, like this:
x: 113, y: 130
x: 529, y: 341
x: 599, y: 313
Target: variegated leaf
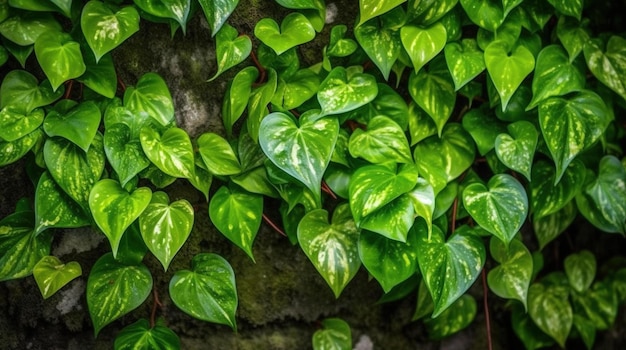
x: 423, y: 44
x: 423, y: 198
x: 260, y: 97
x: 114, y: 289
x: 14, y: 150
x: 516, y: 149
x: 580, y: 269
x: 218, y: 155
x: 124, y: 152
x: 104, y: 29
x: 484, y: 128
x: 381, y: 42
x: 388, y: 102
x: 231, y: 49
x: 546, y: 197
x: 297, y: 89
x: 335, y: 335
x: 341, y: 92
x: 550, y: 310
x: 369, y: 9
x: 429, y: 12
x: 15, y: 124
x: 79, y: 124
x: 177, y: 10
x: 608, y: 65
x: 487, y: 14
x: 465, y: 61
x: 331, y: 247
x: 549, y: 227
x: 511, y: 279
x: 295, y: 29
x: 24, y: 28
x: 455, y: 318
x: 421, y: 125
x: 573, y: 34
x: 54, y: 208
x: 170, y: 151
x: 598, y: 304
x: 142, y: 335
x: 383, y: 141
x: 217, y: 12
x: 393, y: 220
x: 573, y: 8
x: 508, y: 67
x: 51, y: 274
x: 150, y: 98
x: 21, y: 90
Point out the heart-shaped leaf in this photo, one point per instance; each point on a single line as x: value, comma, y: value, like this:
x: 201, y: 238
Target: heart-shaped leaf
x: 608, y: 66
x: 400, y: 212
x: 383, y: 141
x: 100, y: 76
x: 500, y: 207
x: 114, y: 209
x: 550, y: 310
x: 79, y: 124
x: 508, y: 67
x: 335, y: 335
x: 389, y: 261
x: 74, y: 170
x: 115, y: 289
x: 15, y: 150
x: 104, y: 29
x: 573, y: 8
x: 59, y: 56
x: 231, y: 49
x: 586, y: 329
x: 573, y: 34
x: 598, y: 304
x: 603, y: 201
x: 339, y: 45
x: 381, y: 42
x: 21, y: 90
x: 24, y: 28
x: 150, y: 98
x: 510, y: 279
x: 487, y: 14
x: 421, y: 125
x: 15, y: 125
x: 369, y: 9
x: 218, y: 155
x: 455, y: 318
x: 517, y: 148
x: 449, y: 268
x: 165, y: 226
x: 340, y: 93
x: 124, y: 153
x: 465, y: 61
x: 207, y: 291
x: 423, y: 44
x: 297, y: 89
x: 429, y: 12
x: 302, y: 151
x: 527, y: 330
x: 236, y: 98
x: 549, y: 227
x: 580, y: 269
x: 171, y: 151
x: 546, y: 197
x: 577, y: 121
x: 331, y: 247
x: 388, y: 102
x: 177, y: 10
x: 51, y: 274
x: 237, y: 215
x: 484, y: 128
x: 140, y: 335
x: 217, y: 12
x: 295, y: 30
x: 53, y: 208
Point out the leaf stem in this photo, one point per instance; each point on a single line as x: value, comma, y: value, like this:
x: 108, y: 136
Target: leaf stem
x: 155, y: 303
x: 327, y: 189
x: 68, y: 89
x: 273, y: 225
x: 259, y: 67
x: 486, y: 307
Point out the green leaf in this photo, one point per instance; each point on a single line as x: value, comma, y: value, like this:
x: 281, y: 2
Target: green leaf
x: 369, y: 9
x: 383, y: 141
x: 260, y: 97
x: 465, y: 61
x: 165, y: 226
x: 608, y: 66
x: 177, y: 10
x: 297, y: 89
x: 171, y: 151
x: 599, y: 304
x: 428, y: 12
x: 580, y: 269
x: 421, y: 125
x: 15, y: 125
x: 24, y: 28
x: 586, y: 329
x: 140, y: 335
x: 455, y: 318
x: 550, y: 310
x: 150, y: 98
x: 449, y: 268
x: 484, y: 128
x: 339, y: 45
x: 500, y: 207
x: 487, y: 14
x: 294, y: 30
x: 527, y: 331
x: 573, y: 8
x: 218, y: 155
x: 236, y: 98
x: 104, y: 29
x: 124, y: 152
x: 60, y: 58
x: 603, y: 200
x: 389, y: 261
x: 423, y: 198
x: 549, y: 227
x: 51, y: 274
x: 423, y: 44
x: 74, y: 170
x: 335, y: 335
x: 340, y: 92
x: 237, y: 215
x: 79, y: 125
x: 297, y: 4
x: 231, y: 49
x: 302, y: 151
x: 381, y: 42
x: 114, y: 209
x: 508, y: 67
x: 115, y: 289
x: 15, y: 150
x: 573, y: 34
x: 53, y: 208
x: 555, y: 75
x: 100, y: 76
x: 332, y: 248
x: 511, y: 279
x: 577, y: 121
x: 516, y: 149
x: 546, y: 197
x: 217, y: 12
x: 393, y: 220
x: 207, y: 291
x: 21, y: 90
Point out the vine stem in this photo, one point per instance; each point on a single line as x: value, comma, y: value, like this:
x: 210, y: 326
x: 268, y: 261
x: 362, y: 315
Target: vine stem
x: 155, y: 303
x: 327, y: 189
x: 68, y: 89
x: 486, y: 307
x: 259, y: 66
x: 273, y: 225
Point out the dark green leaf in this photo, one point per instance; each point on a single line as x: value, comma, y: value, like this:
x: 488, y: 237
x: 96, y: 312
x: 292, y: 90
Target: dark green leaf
x: 383, y: 141
x: 609, y: 66
x: 124, y: 153
x: 484, y: 129
x: 21, y: 90
x: 580, y: 269
x: 550, y: 310
x: 335, y: 335
x: 549, y: 227
x: 24, y: 29
x: 487, y: 14
x: 455, y: 318
x: 140, y: 335
x: 512, y: 277
x: 177, y: 10
x: 573, y: 8
x: 236, y: 98
x: 546, y: 197
x: 217, y: 12
x: 104, y: 29
x: 100, y: 76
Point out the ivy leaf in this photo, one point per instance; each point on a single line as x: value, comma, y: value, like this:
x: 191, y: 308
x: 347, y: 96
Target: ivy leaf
x: 294, y: 30
x: 302, y: 151
x: 217, y: 12
x: 171, y: 151
x: 340, y: 93
x: 423, y: 44
x: 546, y: 197
x: 369, y: 9
x: 236, y: 98
x: 207, y: 291
x: 335, y: 335
x: 550, y: 310
x: 100, y: 76
x: 332, y: 248
x: 165, y: 226
x: 150, y: 98
x: 389, y: 261
x: 140, y: 335
x: 115, y: 289
x: 549, y: 227
x: 104, y: 29
x: 465, y: 61
x: 124, y: 152
x: 573, y: 8
x: 603, y: 201
x: 218, y: 155
x: 51, y: 274
x: 59, y: 57
x: 608, y: 66
x: 21, y: 90
x: 516, y: 149
x: 381, y: 42
x: 511, y: 279
x: 74, y: 170
x: 580, y: 269
x: 15, y: 125
x: 555, y: 75
x: 383, y: 141
x: 237, y: 215
x: 393, y: 220
x: 573, y: 34
x: 500, y: 207
x: 455, y: 318
x: 53, y: 208
x: 15, y: 150
x: 231, y: 49
x: 178, y: 10
x: 508, y: 67
x: 79, y: 125
x: 24, y: 29
x: 449, y: 268
x: 576, y: 121
x: 114, y: 209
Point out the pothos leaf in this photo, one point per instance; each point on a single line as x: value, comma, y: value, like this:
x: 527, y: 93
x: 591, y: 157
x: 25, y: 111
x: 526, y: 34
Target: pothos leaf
x: 141, y: 335
x: 54, y: 208
x: 546, y: 197
x: 455, y: 318
x: 231, y: 49
x: 79, y: 124
x: 217, y: 12
x: 423, y: 44
x: 511, y: 279
x: 517, y: 148
x: 381, y: 43
x: 15, y: 124
x: 335, y: 335
x: 170, y: 151
x: 294, y: 30
x: 572, y: 8
x: 60, y: 57
x: 177, y: 10
x: 51, y: 274
x: 14, y: 150
x: 549, y: 227
x: 218, y: 155
x: 383, y: 141
x: 465, y: 61
x: 236, y: 98
x: 340, y: 93
x: 150, y: 98
x: 371, y: 8
x: 124, y: 152
x: 551, y: 311
x: 608, y: 66
x: 580, y: 269
x: 21, y: 90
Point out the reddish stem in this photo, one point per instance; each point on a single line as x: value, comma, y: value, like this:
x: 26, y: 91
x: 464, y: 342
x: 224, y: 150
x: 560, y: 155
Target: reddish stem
x: 68, y: 89
x: 486, y: 307
x: 327, y: 189
x: 155, y: 303
x: 121, y: 84
x: 259, y: 67
x: 273, y: 225
x: 455, y: 206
